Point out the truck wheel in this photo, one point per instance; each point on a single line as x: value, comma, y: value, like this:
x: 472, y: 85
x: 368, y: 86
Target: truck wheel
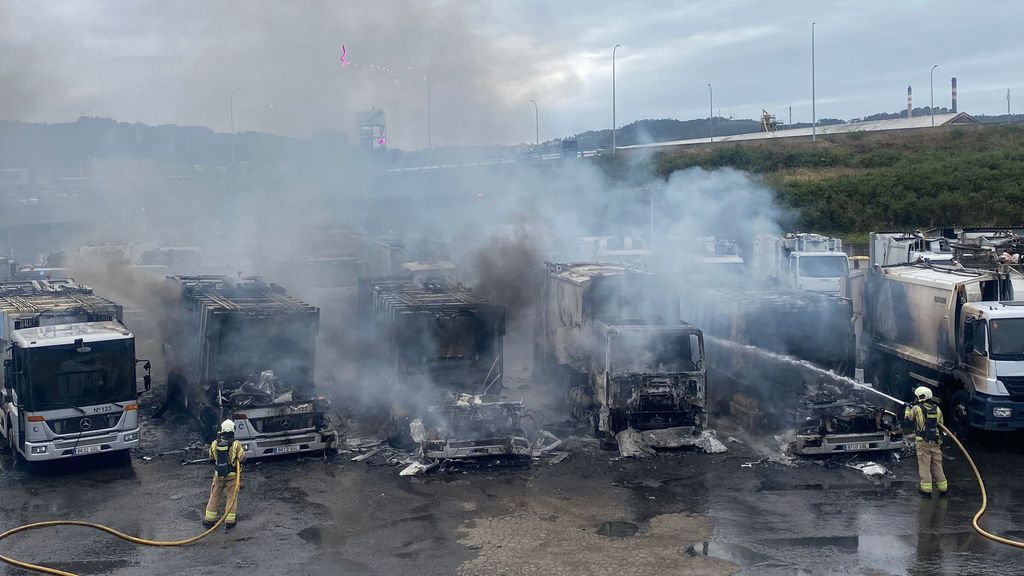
x: 208, y: 423
x: 959, y: 417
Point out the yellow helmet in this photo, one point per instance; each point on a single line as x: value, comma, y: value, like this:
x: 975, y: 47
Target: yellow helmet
x: 923, y: 393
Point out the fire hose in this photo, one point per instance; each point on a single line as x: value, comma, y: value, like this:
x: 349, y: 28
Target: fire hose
x: 975, y: 521
x: 232, y: 499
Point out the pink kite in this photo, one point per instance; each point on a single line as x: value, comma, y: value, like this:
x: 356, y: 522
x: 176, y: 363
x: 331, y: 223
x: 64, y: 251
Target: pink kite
x: 381, y: 141
x: 344, y: 53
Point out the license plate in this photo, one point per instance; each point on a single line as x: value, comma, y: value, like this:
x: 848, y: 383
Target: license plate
x: 286, y: 449
x: 87, y: 450
x: 858, y: 446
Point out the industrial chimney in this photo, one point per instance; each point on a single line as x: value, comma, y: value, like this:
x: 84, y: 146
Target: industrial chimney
x: 910, y: 104
x: 954, y: 95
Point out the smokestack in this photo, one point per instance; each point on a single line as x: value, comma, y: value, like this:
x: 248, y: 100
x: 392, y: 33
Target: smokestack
x: 954, y: 95
x: 910, y: 103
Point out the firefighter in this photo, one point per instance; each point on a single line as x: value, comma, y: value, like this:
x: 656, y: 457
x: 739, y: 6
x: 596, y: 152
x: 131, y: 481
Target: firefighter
x: 926, y: 417
x: 225, y: 452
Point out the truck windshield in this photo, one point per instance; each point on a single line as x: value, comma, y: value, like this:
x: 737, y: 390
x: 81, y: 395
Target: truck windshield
x: 833, y: 266
x: 62, y: 377
x: 656, y: 352
x: 1007, y: 339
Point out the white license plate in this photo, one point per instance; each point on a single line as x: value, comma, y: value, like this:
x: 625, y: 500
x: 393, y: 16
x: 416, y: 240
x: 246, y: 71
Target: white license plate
x: 286, y: 449
x: 858, y: 446
x: 87, y: 450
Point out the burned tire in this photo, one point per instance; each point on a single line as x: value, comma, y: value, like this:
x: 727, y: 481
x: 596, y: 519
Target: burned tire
x: 959, y: 416
x: 208, y: 423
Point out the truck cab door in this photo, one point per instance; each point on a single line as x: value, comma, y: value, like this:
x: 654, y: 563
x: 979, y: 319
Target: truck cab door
x: 976, y: 351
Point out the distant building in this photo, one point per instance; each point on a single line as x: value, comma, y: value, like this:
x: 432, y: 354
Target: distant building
x: 372, y: 127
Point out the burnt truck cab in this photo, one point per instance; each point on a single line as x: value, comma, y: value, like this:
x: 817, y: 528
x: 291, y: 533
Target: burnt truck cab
x: 653, y: 378
x: 611, y: 335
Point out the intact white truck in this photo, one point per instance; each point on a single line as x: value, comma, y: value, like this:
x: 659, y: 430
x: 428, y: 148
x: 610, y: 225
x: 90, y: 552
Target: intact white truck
x: 956, y: 330
x: 68, y: 379
x: 803, y: 261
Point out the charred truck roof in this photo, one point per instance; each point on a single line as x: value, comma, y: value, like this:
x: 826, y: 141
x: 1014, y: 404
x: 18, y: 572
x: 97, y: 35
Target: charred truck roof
x: 227, y: 330
x: 435, y: 337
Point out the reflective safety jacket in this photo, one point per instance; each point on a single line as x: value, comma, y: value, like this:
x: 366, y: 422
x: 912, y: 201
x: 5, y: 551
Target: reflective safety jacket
x: 225, y: 454
x: 926, y: 417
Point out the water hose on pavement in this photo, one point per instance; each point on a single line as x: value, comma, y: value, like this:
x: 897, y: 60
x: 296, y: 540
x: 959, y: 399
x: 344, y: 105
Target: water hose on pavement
x: 977, y: 475
x: 232, y: 499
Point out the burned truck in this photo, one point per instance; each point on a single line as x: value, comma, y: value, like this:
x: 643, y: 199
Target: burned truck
x: 437, y: 348
x: 245, y: 350
x: 612, y: 338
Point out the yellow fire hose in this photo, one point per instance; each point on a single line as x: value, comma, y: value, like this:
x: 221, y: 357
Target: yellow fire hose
x: 142, y: 541
x: 984, y: 497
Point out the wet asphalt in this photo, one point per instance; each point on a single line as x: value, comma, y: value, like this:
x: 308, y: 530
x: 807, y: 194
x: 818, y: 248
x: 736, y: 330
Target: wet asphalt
x: 592, y: 513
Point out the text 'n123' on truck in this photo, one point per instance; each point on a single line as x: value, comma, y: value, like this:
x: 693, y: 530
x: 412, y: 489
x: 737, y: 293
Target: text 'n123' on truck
x: 611, y: 335
x: 245, y: 350
x: 69, y: 386
x: 955, y: 329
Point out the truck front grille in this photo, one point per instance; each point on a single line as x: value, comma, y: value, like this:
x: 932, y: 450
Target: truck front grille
x: 84, y: 424
x: 1014, y: 386
x: 289, y: 423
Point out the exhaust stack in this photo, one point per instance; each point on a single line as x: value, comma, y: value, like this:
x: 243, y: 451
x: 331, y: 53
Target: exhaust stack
x: 954, y: 95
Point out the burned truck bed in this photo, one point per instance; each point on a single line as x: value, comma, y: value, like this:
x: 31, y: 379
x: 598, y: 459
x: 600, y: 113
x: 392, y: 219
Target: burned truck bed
x: 437, y: 351
x: 245, y: 350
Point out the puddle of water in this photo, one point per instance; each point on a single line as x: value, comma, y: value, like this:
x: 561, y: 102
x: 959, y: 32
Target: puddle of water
x: 311, y: 535
x: 618, y: 529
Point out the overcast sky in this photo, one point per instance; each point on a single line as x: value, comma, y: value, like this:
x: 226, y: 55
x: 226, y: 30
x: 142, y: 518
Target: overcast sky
x: 177, y: 62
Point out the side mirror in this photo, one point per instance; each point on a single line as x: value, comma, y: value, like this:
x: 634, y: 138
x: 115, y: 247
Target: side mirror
x: 7, y: 363
x: 147, y: 382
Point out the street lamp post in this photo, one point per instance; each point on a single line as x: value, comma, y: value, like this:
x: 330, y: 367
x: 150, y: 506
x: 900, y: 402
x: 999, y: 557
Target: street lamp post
x: 430, y: 140
x: 613, y: 97
x: 931, y: 91
x: 814, y: 108
x: 536, y: 121
x: 711, y: 118
x: 232, y: 99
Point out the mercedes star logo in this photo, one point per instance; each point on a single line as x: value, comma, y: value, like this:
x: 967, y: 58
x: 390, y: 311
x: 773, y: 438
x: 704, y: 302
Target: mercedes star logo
x: 285, y: 423
x: 85, y: 423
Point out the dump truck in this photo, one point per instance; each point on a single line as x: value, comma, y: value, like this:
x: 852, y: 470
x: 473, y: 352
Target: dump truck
x: 69, y: 374
x: 803, y: 261
x: 959, y: 331
x: 245, y: 350
x: 612, y: 337
x: 438, y: 352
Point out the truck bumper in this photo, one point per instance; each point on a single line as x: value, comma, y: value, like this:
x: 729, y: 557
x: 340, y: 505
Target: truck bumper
x: 823, y: 445
x: 310, y: 441
x: 980, y: 412
x: 84, y: 446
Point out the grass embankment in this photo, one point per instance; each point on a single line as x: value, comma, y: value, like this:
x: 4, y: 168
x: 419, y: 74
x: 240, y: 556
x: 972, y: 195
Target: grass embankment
x: 854, y: 183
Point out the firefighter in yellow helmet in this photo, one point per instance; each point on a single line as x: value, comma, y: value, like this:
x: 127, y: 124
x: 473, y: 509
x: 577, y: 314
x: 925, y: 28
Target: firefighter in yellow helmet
x: 926, y: 417
x: 225, y: 452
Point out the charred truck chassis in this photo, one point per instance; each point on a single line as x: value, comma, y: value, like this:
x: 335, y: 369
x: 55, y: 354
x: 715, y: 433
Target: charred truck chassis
x: 246, y: 351
x: 441, y: 346
x: 611, y: 336
x: 841, y: 422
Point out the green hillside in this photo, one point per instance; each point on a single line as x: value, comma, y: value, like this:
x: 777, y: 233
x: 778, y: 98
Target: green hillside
x: 855, y: 183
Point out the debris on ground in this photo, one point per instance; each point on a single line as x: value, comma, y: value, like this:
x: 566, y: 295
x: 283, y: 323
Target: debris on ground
x: 642, y: 444
x: 546, y: 442
x: 632, y: 444
x: 869, y: 469
x: 417, y: 468
x: 367, y: 455
x: 558, y: 457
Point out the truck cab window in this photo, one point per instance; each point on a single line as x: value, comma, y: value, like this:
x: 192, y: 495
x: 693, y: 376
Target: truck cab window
x: 978, y: 340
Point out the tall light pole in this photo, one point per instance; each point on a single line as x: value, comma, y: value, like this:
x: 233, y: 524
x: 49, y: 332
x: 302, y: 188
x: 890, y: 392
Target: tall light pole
x: 232, y: 98
x: 814, y: 100
x: 430, y: 141
x: 931, y: 91
x: 711, y: 106
x: 613, y: 97
x: 79, y: 122
x: 536, y: 121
